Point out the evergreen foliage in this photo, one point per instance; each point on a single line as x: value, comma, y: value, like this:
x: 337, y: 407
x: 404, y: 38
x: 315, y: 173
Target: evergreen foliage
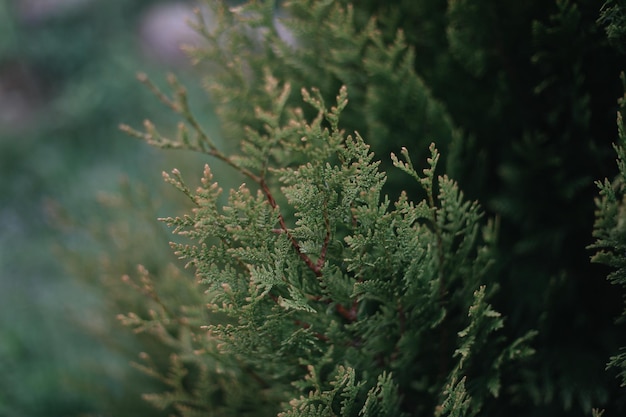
x: 613, y: 17
x: 609, y: 232
x: 331, y: 300
x: 328, y: 299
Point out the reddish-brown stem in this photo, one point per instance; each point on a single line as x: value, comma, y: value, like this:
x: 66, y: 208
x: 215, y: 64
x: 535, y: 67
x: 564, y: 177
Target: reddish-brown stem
x: 348, y: 314
x: 217, y: 154
x: 283, y: 226
x: 274, y: 298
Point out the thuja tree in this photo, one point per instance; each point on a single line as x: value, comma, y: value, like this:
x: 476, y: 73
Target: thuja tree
x: 515, y: 120
x: 325, y: 298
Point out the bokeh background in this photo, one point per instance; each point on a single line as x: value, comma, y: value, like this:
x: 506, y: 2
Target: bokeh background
x: 67, y: 80
x: 78, y: 198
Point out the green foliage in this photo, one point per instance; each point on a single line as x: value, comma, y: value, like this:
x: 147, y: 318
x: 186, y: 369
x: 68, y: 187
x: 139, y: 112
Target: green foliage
x: 613, y: 18
x: 329, y: 298
x: 378, y: 71
x: 610, y: 244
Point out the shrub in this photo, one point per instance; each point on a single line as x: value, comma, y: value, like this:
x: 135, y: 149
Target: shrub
x: 328, y: 299
x: 312, y: 255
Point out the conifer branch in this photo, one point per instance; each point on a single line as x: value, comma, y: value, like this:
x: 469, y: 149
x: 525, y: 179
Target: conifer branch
x: 391, y: 298
x: 428, y: 184
x: 283, y: 226
x: 145, y: 80
x: 180, y: 105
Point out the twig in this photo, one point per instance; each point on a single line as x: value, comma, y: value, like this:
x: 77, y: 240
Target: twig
x: 283, y: 226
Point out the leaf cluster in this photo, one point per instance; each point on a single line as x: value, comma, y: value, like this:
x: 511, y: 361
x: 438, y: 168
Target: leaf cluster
x: 331, y: 299
x: 310, y: 253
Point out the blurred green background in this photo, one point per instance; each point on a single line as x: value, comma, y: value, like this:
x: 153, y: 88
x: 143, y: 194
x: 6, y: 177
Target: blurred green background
x: 67, y: 80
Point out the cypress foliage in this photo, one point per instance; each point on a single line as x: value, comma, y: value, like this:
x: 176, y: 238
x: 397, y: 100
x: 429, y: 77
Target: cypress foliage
x: 331, y: 300
x: 328, y: 299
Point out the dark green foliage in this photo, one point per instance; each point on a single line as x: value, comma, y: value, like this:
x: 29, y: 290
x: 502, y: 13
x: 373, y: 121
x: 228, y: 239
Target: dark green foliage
x: 531, y: 87
x: 610, y: 244
x: 613, y: 18
x: 522, y: 94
